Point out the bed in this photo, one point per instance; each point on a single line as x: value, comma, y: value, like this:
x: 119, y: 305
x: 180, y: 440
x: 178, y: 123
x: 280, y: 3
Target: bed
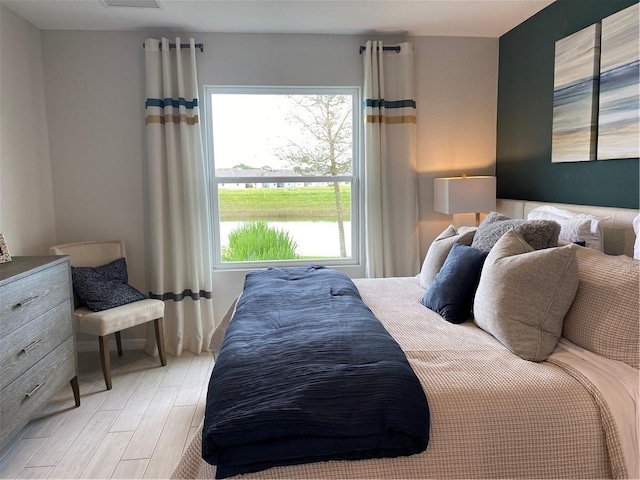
x: 494, y: 414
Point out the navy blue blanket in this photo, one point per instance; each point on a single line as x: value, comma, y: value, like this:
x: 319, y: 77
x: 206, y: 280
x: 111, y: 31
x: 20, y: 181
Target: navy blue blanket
x: 307, y: 373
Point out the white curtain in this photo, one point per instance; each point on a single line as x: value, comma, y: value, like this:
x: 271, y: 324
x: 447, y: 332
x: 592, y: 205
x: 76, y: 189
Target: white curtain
x: 179, y: 244
x: 391, y: 215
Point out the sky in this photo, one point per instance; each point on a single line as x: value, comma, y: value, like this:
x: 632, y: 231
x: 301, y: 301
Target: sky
x: 239, y: 132
x: 251, y: 128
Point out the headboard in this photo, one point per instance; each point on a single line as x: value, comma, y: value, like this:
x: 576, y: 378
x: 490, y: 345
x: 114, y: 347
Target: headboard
x: 617, y: 223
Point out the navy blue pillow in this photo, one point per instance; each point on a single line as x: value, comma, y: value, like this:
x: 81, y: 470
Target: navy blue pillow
x: 452, y: 291
x: 104, y: 287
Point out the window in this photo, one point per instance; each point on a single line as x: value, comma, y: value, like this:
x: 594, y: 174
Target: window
x: 284, y: 174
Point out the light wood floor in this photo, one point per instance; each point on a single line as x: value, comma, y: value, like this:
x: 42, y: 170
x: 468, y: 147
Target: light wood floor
x: 138, y: 429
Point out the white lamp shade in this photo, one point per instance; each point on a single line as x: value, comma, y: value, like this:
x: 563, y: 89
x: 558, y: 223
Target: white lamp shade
x: 464, y: 194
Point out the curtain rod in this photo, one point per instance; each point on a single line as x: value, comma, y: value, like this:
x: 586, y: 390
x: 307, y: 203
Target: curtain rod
x: 182, y: 45
x: 385, y: 49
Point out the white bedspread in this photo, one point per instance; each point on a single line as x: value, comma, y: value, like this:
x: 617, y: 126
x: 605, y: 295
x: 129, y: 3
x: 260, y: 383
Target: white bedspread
x: 617, y: 384
x: 493, y: 415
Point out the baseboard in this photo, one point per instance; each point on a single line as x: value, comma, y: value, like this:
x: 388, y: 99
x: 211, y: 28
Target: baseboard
x: 127, y: 344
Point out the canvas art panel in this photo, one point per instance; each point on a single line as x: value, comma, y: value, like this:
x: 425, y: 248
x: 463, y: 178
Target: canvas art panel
x: 575, y: 91
x: 618, y: 122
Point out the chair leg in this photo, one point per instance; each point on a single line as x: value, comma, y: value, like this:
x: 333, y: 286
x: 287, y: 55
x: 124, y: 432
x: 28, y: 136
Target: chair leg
x: 119, y: 343
x: 160, y: 340
x: 76, y: 390
x: 104, y: 358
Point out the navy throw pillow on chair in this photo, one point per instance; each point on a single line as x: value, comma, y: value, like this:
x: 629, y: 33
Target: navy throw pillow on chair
x: 452, y: 291
x: 104, y: 287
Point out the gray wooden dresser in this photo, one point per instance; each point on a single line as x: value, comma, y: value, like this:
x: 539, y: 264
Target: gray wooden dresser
x: 37, y: 343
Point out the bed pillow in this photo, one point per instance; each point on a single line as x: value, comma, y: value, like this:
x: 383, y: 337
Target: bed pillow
x: 636, y: 229
x: 524, y: 294
x: 451, y: 292
x: 439, y: 249
x: 104, y: 287
x: 604, y: 317
x: 574, y: 227
x: 537, y: 233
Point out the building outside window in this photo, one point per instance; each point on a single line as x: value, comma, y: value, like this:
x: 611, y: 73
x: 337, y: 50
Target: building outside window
x: 285, y: 175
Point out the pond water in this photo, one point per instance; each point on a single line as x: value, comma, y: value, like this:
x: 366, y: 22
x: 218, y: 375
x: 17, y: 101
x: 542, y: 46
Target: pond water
x: 315, y: 239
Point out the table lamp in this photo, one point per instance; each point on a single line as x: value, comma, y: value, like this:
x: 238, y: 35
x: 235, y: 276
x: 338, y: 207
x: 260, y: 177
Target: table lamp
x: 464, y: 194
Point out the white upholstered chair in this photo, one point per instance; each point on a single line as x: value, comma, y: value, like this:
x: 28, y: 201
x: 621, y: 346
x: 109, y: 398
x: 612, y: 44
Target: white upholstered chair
x: 113, y: 320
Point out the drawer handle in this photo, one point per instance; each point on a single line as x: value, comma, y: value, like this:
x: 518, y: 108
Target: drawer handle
x: 29, y: 347
x: 35, y: 389
x: 26, y: 301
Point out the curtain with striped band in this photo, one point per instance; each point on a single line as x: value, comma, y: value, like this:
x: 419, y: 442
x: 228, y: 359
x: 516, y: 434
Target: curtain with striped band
x: 391, y: 215
x: 179, y: 255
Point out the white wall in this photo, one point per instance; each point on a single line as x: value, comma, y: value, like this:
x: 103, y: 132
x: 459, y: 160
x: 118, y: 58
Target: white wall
x: 95, y: 96
x: 26, y: 193
x: 457, y: 83
x: 95, y: 107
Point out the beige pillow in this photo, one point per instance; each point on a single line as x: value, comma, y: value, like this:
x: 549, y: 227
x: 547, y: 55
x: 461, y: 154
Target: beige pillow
x: 604, y: 317
x: 524, y: 294
x: 439, y: 250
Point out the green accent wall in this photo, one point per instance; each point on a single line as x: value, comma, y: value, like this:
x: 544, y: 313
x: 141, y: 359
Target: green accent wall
x: 525, y: 116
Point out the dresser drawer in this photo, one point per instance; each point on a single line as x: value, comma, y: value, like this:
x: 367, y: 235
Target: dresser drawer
x: 24, y: 347
x: 22, y: 399
x: 31, y: 296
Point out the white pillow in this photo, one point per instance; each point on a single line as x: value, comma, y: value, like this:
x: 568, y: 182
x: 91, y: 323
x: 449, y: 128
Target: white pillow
x: 636, y: 246
x: 574, y: 227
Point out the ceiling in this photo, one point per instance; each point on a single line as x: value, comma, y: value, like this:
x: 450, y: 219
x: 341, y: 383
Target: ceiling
x: 470, y: 18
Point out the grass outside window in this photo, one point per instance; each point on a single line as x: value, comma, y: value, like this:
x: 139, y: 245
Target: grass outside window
x: 302, y: 203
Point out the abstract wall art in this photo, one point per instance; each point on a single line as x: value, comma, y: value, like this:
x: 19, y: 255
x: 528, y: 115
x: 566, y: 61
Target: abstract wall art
x: 618, y: 118
x: 575, y: 96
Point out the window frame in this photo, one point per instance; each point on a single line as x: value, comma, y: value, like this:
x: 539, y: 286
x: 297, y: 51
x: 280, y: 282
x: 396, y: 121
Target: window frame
x: 355, y: 179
